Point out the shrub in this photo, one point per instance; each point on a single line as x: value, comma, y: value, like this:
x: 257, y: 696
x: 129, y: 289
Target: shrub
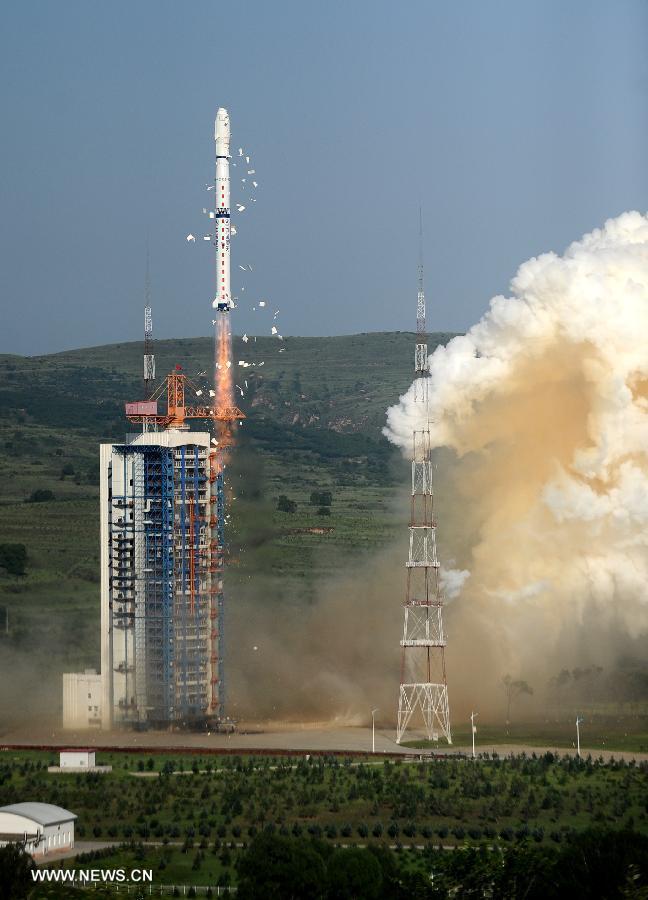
x: 40, y: 496
x: 13, y: 558
x: 286, y: 505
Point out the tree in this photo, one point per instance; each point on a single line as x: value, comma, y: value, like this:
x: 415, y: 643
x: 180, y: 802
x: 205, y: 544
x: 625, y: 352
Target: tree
x: 15, y: 872
x: 513, y: 689
x: 323, y: 511
x: 41, y: 495
x: 286, y: 505
x: 276, y: 867
x: 13, y: 558
x: 321, y: 498
x: 354, y: 873
x: 67, y: 469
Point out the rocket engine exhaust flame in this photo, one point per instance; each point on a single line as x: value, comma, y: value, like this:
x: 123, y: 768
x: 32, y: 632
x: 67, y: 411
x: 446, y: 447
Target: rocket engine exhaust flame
x: 223, y: 377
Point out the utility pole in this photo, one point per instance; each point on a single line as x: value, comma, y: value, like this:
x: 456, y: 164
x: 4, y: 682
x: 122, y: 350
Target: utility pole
x: 373, y: 729
x: 578, y: 724
x: 473, y: 730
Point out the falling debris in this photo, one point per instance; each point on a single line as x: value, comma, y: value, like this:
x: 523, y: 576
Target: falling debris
x: 251, y: 171
x: 232, y: 229
x: 190, y: 237
x: 241, y: 267
x: 210, y: 187
x: 212, y: 393
x: 207, y: 237
x: 245, y: 339
x: 211, y: 214
x: 255, y: 183
x: 276, y: 313
x: 214, y: 441
x: 240, y: 151
x: 240, y: 207
x: 262, y: 303
x: 198, y: 393
x: 273, y: 330
x: 247, y: 160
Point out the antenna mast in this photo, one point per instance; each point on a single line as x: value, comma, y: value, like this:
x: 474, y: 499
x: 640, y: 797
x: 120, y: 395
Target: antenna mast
x: 421, y: 365
x: 149, y: 358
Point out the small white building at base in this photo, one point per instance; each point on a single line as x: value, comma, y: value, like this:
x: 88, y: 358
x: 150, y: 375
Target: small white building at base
x: 82, y: 699
x: 44, y: 829
x: 78, y: 759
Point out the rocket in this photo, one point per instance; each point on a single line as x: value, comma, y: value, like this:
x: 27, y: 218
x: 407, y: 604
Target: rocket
x: 223, y: 300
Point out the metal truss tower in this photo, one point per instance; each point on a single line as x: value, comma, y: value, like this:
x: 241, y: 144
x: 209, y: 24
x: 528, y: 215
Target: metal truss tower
x: 423, y: 685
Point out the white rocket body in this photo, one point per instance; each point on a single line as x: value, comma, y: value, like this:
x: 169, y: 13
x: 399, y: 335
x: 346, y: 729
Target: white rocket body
x: 223, y: 299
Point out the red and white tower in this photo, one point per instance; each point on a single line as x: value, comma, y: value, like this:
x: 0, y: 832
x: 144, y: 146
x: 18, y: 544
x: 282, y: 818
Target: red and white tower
x: 423, y: 686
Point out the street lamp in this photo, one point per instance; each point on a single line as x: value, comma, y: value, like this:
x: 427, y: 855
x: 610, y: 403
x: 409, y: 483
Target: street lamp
x: 373, y: 729
x: 578, y: 724
x: 473, y: 716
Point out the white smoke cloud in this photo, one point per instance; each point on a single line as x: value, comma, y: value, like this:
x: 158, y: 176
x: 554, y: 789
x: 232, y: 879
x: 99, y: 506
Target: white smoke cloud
x: 452, y: 581
x: 544, y: 405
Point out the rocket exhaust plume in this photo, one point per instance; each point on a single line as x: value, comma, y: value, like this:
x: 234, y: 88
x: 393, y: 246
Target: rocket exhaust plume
x: 542, y: 408
x: 540, y: 417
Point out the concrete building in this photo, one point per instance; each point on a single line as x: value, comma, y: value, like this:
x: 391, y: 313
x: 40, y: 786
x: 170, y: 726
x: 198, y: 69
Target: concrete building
x: 43, y: 828
x: 160, y: 581
x: 82, y: 699
x: 78, y: 760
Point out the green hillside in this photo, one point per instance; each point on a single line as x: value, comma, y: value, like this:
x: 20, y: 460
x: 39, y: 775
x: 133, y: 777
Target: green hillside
x: 315, y: 412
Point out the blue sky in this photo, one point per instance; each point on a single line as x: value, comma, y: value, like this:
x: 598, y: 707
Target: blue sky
x: 516, y: 125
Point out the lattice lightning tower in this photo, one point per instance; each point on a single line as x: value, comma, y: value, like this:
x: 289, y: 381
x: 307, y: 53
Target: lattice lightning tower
x: 423, y: 684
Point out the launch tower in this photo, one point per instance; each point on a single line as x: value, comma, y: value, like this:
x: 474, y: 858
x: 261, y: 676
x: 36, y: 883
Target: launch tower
x: 163, y: 528
x: 423, y: 686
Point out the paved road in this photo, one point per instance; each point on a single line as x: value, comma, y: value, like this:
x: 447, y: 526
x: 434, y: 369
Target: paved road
x: 298, y: 739
x: 79, y: 847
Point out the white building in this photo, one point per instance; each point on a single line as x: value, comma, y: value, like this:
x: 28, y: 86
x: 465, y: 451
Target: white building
x: 43, y: 828
x: 77, y: 759
x: 82, y: 699
x: 161, y: 580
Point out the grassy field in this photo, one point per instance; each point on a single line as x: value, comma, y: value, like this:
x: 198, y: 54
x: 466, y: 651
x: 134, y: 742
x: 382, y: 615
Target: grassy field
x: 627, y: 732
x: 195, y: 812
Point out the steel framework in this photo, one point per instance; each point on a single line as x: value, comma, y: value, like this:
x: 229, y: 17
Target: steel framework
x: 423, y: 684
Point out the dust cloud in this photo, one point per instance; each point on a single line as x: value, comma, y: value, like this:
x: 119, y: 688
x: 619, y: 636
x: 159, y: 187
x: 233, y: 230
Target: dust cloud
x: 541, y: 414
x: 540, y: 419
